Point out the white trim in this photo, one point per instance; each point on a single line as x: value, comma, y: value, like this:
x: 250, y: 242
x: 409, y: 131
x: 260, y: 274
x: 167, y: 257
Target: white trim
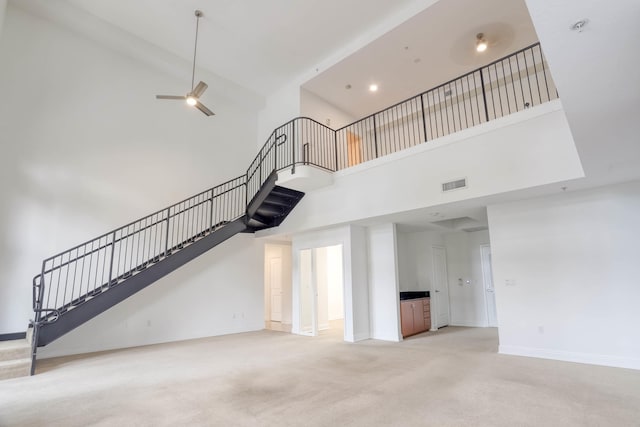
x: 467, y: 324
x: 569, y: 356
x: 361, y: 337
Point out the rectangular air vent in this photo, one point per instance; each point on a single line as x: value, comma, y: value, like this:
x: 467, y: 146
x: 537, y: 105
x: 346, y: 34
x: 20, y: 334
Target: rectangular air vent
x: 453, y: 185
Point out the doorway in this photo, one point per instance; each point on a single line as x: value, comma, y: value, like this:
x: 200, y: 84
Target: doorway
x: 322, y: 291
x: 277, y: 287
x: 354, y: 149
x: 489, y: 290
x: 440, y: 296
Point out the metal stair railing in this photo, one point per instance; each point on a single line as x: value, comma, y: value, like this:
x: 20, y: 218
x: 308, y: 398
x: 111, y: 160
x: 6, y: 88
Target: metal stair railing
x: 74, y: 276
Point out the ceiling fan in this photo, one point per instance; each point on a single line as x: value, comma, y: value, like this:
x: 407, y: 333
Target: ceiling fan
x: 193, y: 97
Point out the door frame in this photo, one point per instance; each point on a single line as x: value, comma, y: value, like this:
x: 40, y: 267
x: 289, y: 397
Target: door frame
x: 434, y: 313
x: 483, y: 261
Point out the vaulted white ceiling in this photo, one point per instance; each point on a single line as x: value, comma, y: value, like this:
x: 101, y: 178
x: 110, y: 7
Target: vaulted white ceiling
x: 256, y: 43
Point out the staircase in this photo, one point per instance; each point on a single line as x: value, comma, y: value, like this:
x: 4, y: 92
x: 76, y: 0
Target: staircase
x: 81, y: 283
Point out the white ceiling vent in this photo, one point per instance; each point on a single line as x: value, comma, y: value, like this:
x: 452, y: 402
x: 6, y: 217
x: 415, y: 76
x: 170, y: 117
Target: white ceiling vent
x: 454, y: 185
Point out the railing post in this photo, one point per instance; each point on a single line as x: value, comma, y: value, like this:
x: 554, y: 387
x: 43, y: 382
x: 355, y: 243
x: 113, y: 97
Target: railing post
x: 335, y: 142
x: 424, y: 118
x: 166, y: 242
x: 260, y: 168
x: 293, y: 147
x: 113, y: 249
x: 484, y: 96
x: 275, y: 154
x: 375, y: 135
x: 211, y: 213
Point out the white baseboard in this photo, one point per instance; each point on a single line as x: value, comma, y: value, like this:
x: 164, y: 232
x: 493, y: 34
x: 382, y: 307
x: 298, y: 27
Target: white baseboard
x: 467, y: 324
x: 568, y: 356
x: 361, y: 337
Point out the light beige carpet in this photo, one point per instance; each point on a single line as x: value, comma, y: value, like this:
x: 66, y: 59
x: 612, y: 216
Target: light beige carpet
x: 450, y: 378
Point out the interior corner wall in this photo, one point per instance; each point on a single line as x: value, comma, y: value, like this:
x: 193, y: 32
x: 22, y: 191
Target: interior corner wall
x: 466, y: 286
x: 384, y: 297
x: 281, y: 106
x: 317, y: 108
x: 88, y: 148
x: 566, y: 275
x: 415, y: 259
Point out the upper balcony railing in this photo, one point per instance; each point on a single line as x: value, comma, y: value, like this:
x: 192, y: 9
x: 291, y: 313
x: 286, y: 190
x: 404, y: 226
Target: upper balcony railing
x: 511, y: 84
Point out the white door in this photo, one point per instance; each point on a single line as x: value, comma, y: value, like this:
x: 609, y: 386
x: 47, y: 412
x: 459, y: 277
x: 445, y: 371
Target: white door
x: 489, y: 290
x: 275, y: 284
x: 440, y: 296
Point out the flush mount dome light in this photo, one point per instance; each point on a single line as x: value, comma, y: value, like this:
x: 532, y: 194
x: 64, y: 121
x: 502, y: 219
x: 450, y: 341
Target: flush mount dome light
x: 481, y: 43
x: 373, y: 88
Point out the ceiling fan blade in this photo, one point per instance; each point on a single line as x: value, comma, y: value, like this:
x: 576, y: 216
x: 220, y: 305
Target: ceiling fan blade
x: 200, y: 106
x: 199, y: 89
x: 170, y: 97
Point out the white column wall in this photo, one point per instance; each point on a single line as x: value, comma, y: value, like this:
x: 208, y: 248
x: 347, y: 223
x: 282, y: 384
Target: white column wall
x: 384, y: 297
x: 566, y: 274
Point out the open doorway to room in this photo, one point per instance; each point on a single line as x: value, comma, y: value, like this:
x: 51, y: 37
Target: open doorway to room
x: 277, y: 287
x: 322, y: 291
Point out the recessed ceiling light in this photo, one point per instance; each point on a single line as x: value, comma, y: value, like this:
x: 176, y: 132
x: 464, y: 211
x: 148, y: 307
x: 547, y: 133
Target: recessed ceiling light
x: 373, y: 88
x: 347, y: 87
x: 481, y: 43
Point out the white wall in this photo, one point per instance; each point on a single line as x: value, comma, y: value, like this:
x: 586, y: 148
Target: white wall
x: 281, y: 106
x: 566, y: 275
x: 87, y: 148
x: 322, y: 287
x: 335, y: 285
x: 466, y: 296
x: 530, y: 148
x: 214, y: 294
x: 415, y: 258
x: 3, y: 9
x: 317, y: 108
x: 384, y: 298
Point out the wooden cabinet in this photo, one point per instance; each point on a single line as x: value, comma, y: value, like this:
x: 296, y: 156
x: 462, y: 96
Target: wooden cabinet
x: 415, y: 316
